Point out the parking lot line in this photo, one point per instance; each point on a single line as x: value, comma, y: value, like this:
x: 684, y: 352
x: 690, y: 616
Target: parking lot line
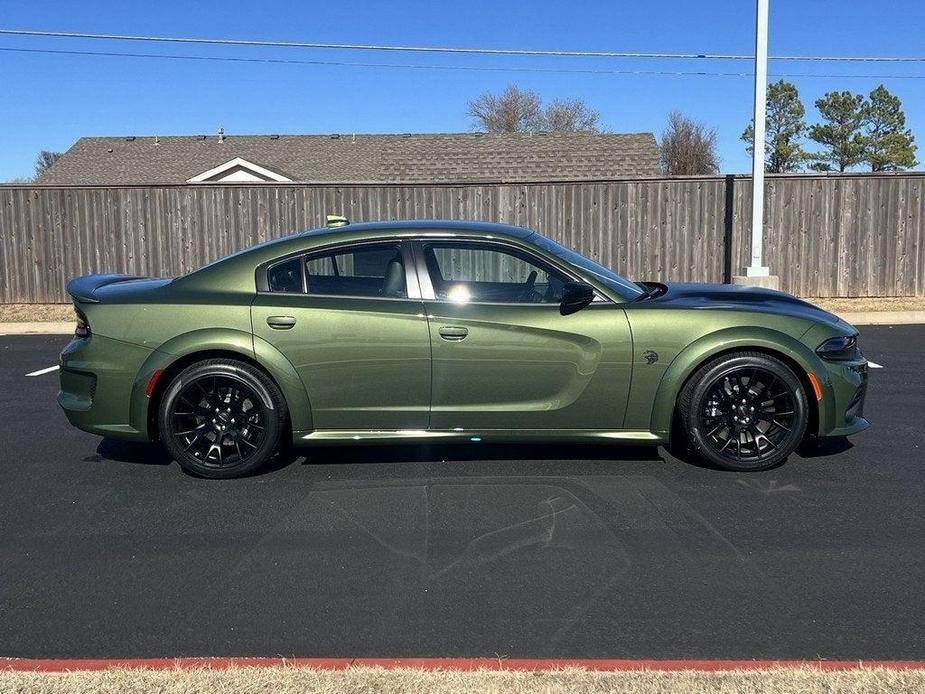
x: 41, y: 372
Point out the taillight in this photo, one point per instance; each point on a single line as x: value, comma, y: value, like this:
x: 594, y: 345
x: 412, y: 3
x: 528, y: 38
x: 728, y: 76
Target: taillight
x: 83, y: 327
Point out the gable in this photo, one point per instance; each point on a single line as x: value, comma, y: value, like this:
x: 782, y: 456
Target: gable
x: 238, y: 170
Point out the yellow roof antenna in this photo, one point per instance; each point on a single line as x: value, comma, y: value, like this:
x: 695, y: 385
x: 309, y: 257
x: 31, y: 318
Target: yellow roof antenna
x: 336, y: 220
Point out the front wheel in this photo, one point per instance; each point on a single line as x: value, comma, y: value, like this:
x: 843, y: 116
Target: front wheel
x: 744, y: 411
x: 222, y: 418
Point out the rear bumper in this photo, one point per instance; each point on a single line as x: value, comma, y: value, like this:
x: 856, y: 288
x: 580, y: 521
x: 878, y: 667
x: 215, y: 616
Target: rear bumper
x: 97, y: 377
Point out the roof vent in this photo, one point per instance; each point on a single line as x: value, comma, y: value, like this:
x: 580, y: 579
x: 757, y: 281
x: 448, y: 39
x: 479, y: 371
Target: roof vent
x: 157, y: 140
x: 221, y: 134
x: 335, y: 136
x: 130, y: 138
x: 200, y: 137
x: 274, y: 137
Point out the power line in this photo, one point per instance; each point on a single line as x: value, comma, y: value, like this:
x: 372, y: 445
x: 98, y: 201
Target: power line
x: 456, y: 50
x: 472, y: 68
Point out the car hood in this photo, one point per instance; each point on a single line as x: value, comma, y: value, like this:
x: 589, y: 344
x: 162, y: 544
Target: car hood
x: 740, y: 298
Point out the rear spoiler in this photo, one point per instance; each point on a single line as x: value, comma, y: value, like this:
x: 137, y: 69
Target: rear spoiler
x: 84, y: 288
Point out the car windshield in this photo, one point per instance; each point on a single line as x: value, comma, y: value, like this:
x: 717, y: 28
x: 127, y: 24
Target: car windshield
x: 623, y: 287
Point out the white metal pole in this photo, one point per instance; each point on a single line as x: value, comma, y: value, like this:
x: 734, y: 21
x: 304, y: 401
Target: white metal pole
x: 757, y: 269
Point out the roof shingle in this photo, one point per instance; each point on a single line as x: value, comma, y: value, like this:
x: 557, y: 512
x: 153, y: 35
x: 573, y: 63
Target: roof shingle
x: 419, y: 158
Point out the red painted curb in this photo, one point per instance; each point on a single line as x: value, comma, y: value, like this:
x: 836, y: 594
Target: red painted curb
x: 457, y: 664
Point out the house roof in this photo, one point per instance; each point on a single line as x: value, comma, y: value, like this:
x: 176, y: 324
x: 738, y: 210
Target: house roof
x: 420, y: 158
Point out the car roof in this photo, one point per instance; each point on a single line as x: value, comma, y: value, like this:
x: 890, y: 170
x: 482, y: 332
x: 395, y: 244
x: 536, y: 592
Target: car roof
x: 423, y: 225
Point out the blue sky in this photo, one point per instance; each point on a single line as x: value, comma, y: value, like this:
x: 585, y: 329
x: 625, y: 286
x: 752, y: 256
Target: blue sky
x: 48, y: 101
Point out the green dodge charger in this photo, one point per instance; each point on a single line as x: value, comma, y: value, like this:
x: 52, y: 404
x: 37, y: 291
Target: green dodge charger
x: 450, y: 331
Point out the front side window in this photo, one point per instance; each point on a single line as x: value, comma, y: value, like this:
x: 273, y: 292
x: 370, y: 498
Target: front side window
x: 375, y: 271
x: 485, y: 273
x: 619, y: 285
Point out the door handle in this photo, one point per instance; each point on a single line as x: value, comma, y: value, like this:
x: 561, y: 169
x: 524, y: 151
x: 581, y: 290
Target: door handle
x: 453, y: 333
x: 280, y: 322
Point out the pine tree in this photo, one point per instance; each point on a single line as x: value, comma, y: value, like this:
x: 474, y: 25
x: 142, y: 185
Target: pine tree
x: 784, y: 126
x: 890, y: 145
x: 840, y: 134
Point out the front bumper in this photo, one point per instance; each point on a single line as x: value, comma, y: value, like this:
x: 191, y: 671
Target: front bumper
x: 841, y: 412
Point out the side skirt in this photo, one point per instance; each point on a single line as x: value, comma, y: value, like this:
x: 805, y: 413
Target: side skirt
x: 629, y: 437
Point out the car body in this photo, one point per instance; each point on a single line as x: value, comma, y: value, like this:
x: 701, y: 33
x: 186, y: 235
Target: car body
x: 434, y: 330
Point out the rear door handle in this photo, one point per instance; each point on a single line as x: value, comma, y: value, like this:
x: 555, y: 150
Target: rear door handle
x: 453, y: 333
x: 280, y: 322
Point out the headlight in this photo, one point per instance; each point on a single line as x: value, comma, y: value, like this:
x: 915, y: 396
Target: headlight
x: 839, y: 349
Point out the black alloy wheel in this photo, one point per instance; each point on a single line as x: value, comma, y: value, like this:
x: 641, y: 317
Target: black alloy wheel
x: 744, y: 411
x: 222, y: 418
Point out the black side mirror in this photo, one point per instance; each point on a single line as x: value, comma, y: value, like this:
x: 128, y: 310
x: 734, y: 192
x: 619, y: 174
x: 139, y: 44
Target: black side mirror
x: 575, y: 296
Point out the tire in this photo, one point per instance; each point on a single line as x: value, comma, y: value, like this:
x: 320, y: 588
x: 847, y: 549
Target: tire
x: 735, y: 418
x: 222, y: 418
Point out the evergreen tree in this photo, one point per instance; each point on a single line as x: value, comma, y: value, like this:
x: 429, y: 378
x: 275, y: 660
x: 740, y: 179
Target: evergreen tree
x: 840, y: 134
x: 784, y: 126
x: 890, y: 146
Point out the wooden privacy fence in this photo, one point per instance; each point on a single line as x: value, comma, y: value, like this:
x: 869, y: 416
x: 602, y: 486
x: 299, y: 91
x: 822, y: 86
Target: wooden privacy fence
x: 825, y: 235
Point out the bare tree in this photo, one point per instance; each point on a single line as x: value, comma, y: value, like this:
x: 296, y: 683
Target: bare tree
x: 519, y: 110
x: 687, y: 147
x: 44, y: 161
x: 514, y: 111
x: 570, y: 116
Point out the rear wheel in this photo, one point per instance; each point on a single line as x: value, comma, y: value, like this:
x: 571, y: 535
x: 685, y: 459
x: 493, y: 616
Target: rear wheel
x: 744, y: 411
x: 222, y: 418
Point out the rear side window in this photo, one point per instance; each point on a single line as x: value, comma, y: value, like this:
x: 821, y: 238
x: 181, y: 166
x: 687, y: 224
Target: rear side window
x: 286, y: 276
x: 373, y: 271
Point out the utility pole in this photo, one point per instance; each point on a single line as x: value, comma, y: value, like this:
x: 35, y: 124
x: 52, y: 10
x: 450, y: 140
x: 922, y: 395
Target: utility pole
x: 757, y: 272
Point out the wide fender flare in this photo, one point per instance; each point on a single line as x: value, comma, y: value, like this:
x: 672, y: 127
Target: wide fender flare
x: 223, y: 340
x: 735, y: 338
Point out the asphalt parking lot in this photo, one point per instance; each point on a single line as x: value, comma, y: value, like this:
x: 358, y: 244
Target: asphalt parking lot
x: 109, y: 550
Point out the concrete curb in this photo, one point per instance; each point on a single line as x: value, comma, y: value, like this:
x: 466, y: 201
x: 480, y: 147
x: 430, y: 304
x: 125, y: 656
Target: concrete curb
x: 38, y: 328
x: 454, y: 664
x: 884, y: 317
x: 863, y: 318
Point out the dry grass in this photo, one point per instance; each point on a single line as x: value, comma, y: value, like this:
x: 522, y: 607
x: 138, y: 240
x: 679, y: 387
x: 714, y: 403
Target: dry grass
x: 887, y: 303
x: 289, y: 680
x: 23, y: 313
